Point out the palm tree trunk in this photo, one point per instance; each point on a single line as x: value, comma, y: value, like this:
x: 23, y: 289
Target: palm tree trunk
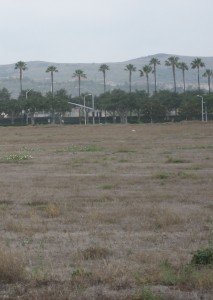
x: 79, y: 86
x: 184, y: 85
x: 130, y: 81
x: 198, y: 78
x: 52, y: 91
x: 155, y: 80
x: 52, y: 83
x: 147, y: 80
x: 21, y: 82
x: 173, y: 71
x: 209, y: 84
x: 104, y: 82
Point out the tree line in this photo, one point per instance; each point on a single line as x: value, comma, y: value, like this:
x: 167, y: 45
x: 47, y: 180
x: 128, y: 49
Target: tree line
x: 160, y: 103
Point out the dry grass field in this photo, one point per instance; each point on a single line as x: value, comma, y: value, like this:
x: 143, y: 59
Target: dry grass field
x: 106, y: 211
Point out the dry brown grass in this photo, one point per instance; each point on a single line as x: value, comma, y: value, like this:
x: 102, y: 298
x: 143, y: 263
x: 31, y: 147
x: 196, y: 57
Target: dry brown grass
x: 12, y: 266
x: 99, y: 212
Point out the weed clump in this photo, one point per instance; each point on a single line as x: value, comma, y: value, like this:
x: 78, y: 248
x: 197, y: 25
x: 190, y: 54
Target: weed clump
x: 95, y: 253
x: 12, y: 267
x: 80, y: 148
x: 52, y: 210
x: 147, y: 294
x: 172, y: 160
x: 16, y: 158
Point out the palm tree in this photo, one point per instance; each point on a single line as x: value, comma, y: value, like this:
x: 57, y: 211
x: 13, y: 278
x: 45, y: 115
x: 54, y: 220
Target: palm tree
x: 183, y: 66
x: 51, y: 69
x: 21, y: 66
x: 130, y: 68
x: 173, y: 62
x: 103, y: 68
x: 79, y: 74
x: 154, y: 62
x: 145, y: 71
x: 197, y: 64
x: 208, y: 73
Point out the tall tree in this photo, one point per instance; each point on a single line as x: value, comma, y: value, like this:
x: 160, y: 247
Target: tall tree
x: 197, y: 64
x: 51, y: 70
x: 21, y: 66
x: 103, y: 68
x: 130, y: 68
x: 79, y: 74
x: 173, y: 62
x: 145, y: 72
x: 154, y: 62
x: 208, y: 73
x: 183, y: 67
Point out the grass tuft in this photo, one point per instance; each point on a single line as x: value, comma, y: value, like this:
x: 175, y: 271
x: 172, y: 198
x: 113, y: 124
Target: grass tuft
x: 107, y: 186
x: 162, y: 175
x: 172, y: 160
x: 95, y: 253
x: 147, y: 294
x: 12, y: 267
x: 52, y: 210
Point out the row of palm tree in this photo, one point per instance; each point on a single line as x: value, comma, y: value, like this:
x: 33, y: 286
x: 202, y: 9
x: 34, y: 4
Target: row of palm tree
x: 22, y: 66
x: 79, y: 74
x: 172, y: 62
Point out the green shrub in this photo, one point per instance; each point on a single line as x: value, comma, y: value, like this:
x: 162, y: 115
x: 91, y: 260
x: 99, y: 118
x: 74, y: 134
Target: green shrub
x: 203, y: 257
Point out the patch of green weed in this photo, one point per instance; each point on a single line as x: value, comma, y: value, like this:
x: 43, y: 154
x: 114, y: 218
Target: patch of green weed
x: 81, y: 148
x: 15, y: 158
x: 147, y: 294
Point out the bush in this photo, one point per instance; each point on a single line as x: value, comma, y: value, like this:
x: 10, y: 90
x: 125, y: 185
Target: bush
x: 203, y: 257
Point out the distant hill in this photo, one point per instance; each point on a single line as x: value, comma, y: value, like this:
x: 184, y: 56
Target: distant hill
x: 36, y: 78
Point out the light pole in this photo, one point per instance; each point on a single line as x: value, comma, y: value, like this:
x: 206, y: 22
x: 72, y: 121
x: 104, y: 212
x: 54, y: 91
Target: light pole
x: 206, y: 112
x: 202, y: 107
x: 85, y: 116
x: 27, y: 110
x: 27, y: 93
x: 93, y: 112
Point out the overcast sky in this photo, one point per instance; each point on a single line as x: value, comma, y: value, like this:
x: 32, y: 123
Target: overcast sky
x: 75, y: 31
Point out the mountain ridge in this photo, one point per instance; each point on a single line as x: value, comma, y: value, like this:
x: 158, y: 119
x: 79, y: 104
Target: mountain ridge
x: 37, y: 78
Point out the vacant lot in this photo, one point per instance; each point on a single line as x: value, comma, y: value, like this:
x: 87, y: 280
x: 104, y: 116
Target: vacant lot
x: 106, y: 211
